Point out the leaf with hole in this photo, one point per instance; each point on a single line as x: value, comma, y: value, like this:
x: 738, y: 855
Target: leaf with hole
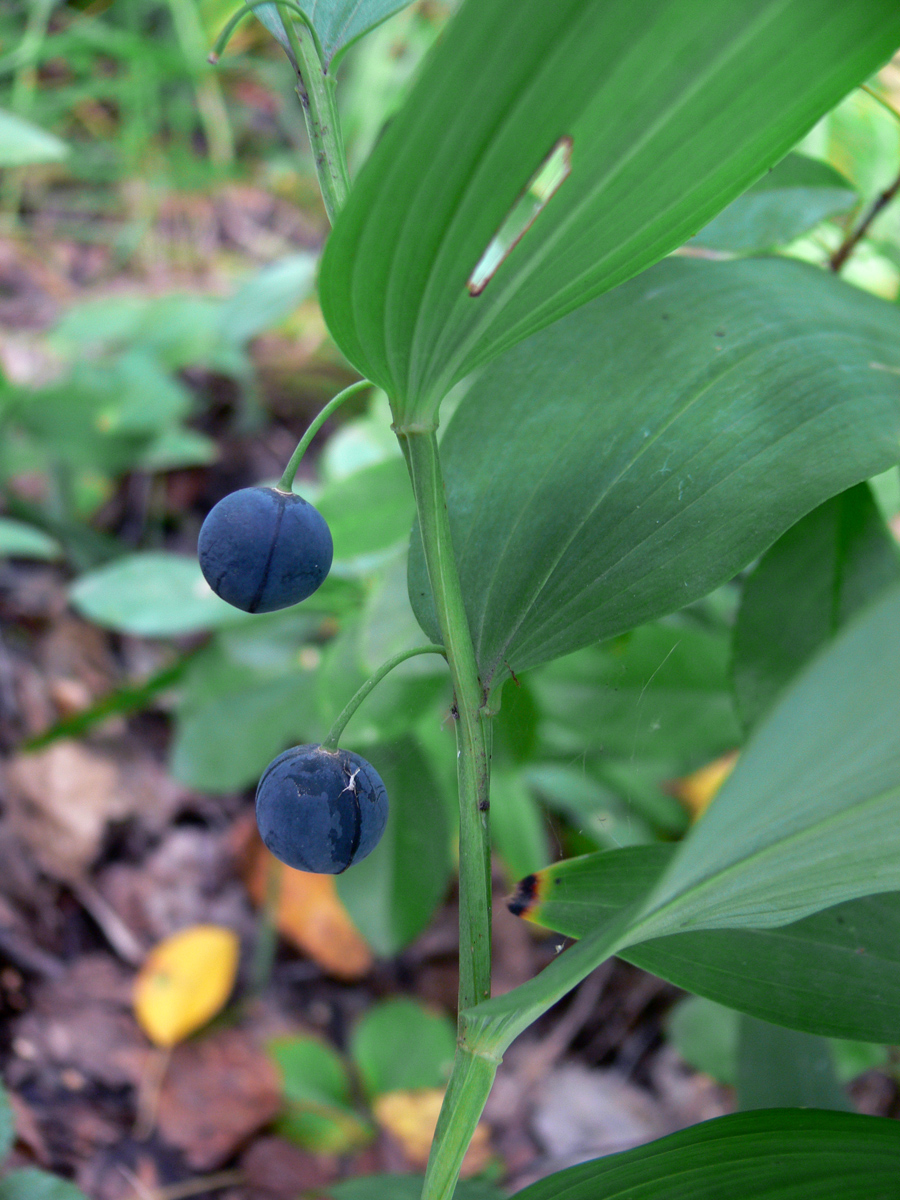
x: 648, y: 446
x: 654, y: 153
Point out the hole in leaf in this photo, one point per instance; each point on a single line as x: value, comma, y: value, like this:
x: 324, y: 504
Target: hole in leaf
x: 543, y: 184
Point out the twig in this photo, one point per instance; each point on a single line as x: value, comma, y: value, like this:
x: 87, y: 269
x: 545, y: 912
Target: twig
x: 853, y: 238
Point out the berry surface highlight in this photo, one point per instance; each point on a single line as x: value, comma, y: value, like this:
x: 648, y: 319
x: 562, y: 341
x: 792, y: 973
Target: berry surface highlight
x: 262, y: 549
x: 319, y: 810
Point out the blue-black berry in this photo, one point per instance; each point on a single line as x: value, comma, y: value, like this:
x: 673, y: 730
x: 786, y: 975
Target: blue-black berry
x: 262, y: 549
x: 319, y: 810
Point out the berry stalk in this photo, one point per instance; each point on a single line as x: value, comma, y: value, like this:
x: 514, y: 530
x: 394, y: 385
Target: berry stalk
x: 334, y: 734
x: 286, y: 482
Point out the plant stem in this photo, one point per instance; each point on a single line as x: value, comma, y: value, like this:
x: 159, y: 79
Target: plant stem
x: 316, y: 89
x: 473, y: 767
x: 464, y: 1101
x: 286, y: 483
x: 210, y: 103
x: 330, y: 743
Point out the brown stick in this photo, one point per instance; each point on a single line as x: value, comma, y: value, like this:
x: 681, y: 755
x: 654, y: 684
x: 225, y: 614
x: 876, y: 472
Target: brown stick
x: 853, y: 238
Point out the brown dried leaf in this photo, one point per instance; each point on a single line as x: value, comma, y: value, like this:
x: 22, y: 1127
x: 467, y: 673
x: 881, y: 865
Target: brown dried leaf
x: 216, y: 1093
x: 60, y: 800
x: 283, y: 1171
x: 311, y: 916
x: 80, y: 1022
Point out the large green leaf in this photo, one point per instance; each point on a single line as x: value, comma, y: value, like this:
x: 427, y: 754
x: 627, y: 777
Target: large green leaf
x: 337, y: 23
x: 776, y: 1154
x: 807, y: 820
x: 644, y: 449
x: 836, y: 973
x: 805, y: 587
x: 670, y: 111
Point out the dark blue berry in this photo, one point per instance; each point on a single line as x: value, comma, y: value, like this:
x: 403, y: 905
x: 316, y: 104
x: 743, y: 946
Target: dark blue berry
x: 321, y: 811
x: 262, y: 549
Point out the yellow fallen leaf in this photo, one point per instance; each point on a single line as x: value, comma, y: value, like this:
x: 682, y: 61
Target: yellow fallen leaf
x: 697, y: 790
x: 184, y: 982
x: 410, y: 1117
x: 311, y: 916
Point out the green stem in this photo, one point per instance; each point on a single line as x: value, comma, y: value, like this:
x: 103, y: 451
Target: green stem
x: 334, y: 734
x: 464, y: 1100
x: 473, y: 765
x: 210, y: 103
x: 286, y: 483
x: 316, y: 89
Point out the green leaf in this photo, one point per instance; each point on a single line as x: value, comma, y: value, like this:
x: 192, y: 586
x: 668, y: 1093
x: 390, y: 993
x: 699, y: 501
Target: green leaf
x: 311, y: 1071
x: 654, y: 156
x: 267, y: 297
x: 778, y: 1154
x: 22, y: 143
x: 391, y: 895
x: 386, y: 712
x: 399, y: 1045
x: 820, y: 775
x: 31, y: 1184
x: 176, y: 448
x: 317, y: 1091
x: 247, y: 695
x: 152, y: 594
x: 809, y: 975
x: 659, y: 693
x: 639, y: 453
x: 223, y: 743
x: 518, y: 828
x: 18, y: 540
x: 706, y: 1035
x: 782, y: 1068
x: 789, y: 200
x: 337, y: 23
x: 805, y: 587
x: 370, y: 511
